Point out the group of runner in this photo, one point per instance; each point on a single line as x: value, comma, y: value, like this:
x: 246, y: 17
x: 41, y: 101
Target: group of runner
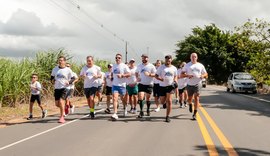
x: 132, y: 84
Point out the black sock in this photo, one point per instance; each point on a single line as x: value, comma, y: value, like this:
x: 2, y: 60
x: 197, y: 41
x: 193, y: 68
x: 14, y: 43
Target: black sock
x: 148, y: 103
x: 195, y: 112
x: 141, y: 104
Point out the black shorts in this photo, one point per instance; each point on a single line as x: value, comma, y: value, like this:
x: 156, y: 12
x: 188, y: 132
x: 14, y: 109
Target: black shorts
x: 156, y: 90
x: 181, y: 90
x: 145, y: 88
x: 90, y: 91
x: 99, y: 89
x: 108, y: 90
x: 35, y: 97
x: 60, y: 93
x: 70, y: 93
x: 165, y: 90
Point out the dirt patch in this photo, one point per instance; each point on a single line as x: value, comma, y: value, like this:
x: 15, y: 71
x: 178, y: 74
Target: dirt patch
x: 11, y: 116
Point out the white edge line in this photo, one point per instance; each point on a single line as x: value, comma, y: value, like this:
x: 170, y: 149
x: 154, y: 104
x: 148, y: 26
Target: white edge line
x: 33, y: 136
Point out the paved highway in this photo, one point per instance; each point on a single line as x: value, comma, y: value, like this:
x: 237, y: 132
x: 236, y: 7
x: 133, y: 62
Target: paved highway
x: 227, y: 124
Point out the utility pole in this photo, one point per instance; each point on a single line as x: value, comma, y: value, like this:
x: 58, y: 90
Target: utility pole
x: 126, y: 52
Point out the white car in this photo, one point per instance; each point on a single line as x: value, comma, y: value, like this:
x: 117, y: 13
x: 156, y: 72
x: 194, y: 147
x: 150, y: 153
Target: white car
x: 241, y: 82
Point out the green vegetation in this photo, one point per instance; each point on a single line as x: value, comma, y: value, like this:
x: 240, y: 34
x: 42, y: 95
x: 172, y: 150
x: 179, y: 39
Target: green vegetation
x: 247, y: 48
x: 15, y: 76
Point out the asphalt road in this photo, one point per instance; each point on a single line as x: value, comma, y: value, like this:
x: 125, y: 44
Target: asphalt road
x: 227, y: 124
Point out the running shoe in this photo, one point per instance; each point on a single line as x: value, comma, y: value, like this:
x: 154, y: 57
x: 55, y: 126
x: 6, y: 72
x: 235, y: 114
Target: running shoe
x: 62, y: 119
x: 125, y: 111
x: 30, y: 117
x: 176, y: 101
x: 181, y: 105
x: 157, y: 109
x: 108, y: 111
x: 72, y: 108
x: 114, y: 116
x: 134, y: 111
x: 141, y: 114
x: 185, y: 103
x: 167, y: 119
x: 164, y: 106
x: 44, y: 113
x: 92, y: 115
x: 194, y: 117
x: 148, y: 112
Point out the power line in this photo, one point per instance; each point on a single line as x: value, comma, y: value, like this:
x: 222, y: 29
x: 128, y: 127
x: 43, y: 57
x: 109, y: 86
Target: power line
x: 81, y: 21
x: 102, y: 25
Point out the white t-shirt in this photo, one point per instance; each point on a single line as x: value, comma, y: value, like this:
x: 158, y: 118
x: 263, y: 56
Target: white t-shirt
x: 108, y: 79
x: 196, y: 70
x: 156, y: 81
x: 182, y: 82
x: 141, y: 69
x: 89, y: 72
x: 36, y: 85
x: 101, y: 80
x: 168, y: 74
x: 62, y: 77
x: 132, y: 79
x: 120, y: 69
x: 72, y: 86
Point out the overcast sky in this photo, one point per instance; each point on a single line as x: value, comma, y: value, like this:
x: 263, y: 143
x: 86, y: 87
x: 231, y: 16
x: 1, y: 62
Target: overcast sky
x: 27, y: 26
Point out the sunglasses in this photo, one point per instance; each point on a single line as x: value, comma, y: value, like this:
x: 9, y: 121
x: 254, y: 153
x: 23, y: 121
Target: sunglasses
x: 117, y: 57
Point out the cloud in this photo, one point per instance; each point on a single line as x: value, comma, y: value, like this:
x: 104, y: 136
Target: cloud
x: 24, y: 23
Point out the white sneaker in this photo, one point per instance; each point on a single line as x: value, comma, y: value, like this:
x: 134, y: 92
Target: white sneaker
x: 72, y: 109
x: 115, y: 116
x: 125, y: 111
x: 157, y: 109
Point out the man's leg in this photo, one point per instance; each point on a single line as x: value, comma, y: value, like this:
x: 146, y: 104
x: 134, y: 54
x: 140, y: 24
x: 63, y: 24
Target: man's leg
x: 169, y: 105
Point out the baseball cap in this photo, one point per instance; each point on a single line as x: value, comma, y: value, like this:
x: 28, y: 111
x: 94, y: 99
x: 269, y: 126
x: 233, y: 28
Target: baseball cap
x: 110, y: 65
x: 133, y: 60
x: 144, y: 55
x: 168, y: 56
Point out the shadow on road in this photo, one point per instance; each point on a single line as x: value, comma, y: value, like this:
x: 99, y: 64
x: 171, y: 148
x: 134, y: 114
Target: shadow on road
x: 239, y: 150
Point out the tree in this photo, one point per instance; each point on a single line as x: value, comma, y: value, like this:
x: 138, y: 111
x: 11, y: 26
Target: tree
x: 258, y: 33
x: 212, y: 46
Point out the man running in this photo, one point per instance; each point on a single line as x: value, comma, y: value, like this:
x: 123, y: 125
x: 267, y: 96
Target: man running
x: 145, y: 74
x: 108, y: 84
x: 100, y: 88
x: 156, y: 88
x: 61, y: 76
x: 182, y: 83
x: 119, y: 75
x: 35, y: 87
x: 69, y: 108
x: 167, y: 74
x: 195, y: 72
x: 90, y: 73
x: 132, y: 87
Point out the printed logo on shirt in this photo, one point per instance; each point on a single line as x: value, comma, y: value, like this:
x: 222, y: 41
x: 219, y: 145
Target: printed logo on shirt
x: 89, y: 73
x: 168, y: 74
x: 195, y: 70
x: 143, y: 70
x: 59, y: 76
x: 116, y: 71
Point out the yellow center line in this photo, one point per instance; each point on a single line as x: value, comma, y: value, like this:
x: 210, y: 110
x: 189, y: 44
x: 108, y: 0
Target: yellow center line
x: 207, y: 139
x: 224, y: 141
